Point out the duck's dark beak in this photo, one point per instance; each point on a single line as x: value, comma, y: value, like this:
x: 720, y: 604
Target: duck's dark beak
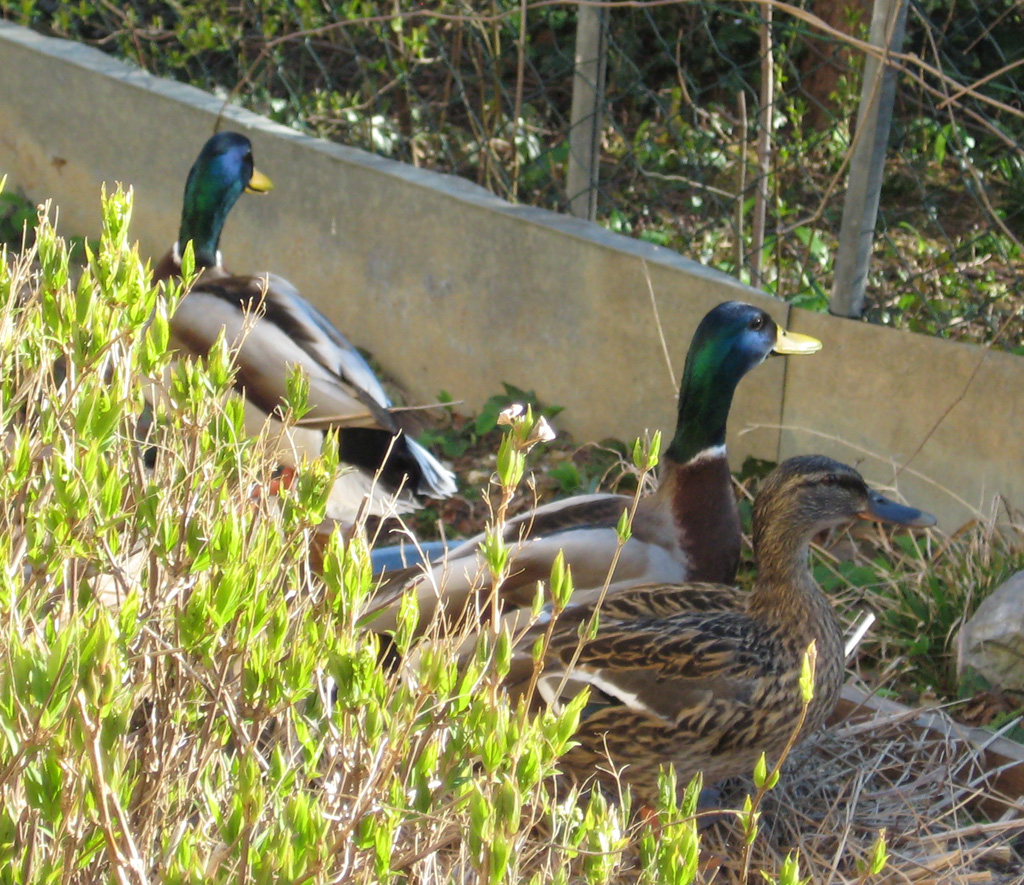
x: 793, y: 342
x: 881, y: 509
x: 258, y: 183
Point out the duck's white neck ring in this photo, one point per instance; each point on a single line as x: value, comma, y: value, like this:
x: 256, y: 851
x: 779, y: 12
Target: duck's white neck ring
x: 176, y: 254
x: 708, y: 454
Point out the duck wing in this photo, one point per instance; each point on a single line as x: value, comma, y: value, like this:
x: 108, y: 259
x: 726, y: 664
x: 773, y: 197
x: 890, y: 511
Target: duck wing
x: 582, y: 528
x: 459, y: 585
x: 277, y: 329
x: 652, y: 657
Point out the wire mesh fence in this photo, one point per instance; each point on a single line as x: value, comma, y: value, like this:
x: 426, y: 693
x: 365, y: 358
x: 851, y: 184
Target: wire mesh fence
x: 711, y: 114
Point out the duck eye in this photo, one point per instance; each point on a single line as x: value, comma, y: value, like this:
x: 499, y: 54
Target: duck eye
x: 830, y: 479
x: 758, y: 322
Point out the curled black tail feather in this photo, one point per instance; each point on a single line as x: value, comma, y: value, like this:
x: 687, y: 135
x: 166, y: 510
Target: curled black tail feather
x: 367, y: 448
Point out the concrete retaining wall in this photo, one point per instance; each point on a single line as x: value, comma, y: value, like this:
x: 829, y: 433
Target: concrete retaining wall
x: 453, y: 289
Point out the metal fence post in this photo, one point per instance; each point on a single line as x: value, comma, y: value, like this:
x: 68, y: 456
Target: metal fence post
x: 587, y: 101
x: 860, y: 210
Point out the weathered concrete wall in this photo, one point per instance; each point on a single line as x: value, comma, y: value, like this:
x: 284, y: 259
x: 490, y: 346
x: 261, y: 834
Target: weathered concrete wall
x: 940, y: 421
x: 449, y: 287
x: 453, y: 289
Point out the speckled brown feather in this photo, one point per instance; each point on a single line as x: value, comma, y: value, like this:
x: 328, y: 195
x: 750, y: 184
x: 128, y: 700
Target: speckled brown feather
x: 718, y: 687
x: 704, y: 676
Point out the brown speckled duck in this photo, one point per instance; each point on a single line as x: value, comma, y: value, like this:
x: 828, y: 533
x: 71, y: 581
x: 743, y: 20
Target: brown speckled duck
x: 686, y: 530
x: 344, y: 392
x: 705, y: 676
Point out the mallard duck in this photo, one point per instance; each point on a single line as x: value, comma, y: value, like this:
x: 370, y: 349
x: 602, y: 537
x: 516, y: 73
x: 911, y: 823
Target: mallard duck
x: 391, y: 468
x: 688, y: 529
x: 705, y: 676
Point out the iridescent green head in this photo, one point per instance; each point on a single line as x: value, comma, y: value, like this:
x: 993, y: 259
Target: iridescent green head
x: 730, y: 340
x: 223, y: 169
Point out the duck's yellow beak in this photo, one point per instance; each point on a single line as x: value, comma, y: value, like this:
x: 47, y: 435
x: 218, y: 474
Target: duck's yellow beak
x: 258, y: 183
x: 794, y: 342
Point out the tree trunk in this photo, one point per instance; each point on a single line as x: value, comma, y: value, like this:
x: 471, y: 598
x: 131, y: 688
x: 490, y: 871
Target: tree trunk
x: 827, y: 59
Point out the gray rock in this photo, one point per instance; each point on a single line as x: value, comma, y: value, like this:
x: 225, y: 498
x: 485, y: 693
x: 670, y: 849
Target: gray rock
x: 992, y: 641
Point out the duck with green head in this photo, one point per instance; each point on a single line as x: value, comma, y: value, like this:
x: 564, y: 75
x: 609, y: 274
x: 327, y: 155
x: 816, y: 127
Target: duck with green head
x: 222, y: 172
x: 687, y: 529
x: 391, y: 470
x: 705, y: 677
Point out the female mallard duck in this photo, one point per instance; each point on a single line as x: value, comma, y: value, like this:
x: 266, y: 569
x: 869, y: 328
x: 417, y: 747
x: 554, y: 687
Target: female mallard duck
x: 278, y: 329
x: 705, y: 676
x: 688, y: 529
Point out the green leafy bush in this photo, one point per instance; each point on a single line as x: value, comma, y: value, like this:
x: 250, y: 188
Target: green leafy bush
x: 182, y: 698
x: 189, y: 691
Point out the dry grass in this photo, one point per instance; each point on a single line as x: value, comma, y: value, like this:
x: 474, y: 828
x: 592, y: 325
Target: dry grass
x: 925, y: 788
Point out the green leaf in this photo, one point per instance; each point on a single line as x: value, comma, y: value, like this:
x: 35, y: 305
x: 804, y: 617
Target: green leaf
x: 624, y: 529
x: 495, y: 552
x: 807, y: 672
x: 879, y: 855
x: 760, y: 772
x: 560, y: 583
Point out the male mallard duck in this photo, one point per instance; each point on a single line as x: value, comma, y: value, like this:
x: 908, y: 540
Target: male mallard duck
x: 344, y: 393
x: 705, y: 676
x: 688, y: 529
